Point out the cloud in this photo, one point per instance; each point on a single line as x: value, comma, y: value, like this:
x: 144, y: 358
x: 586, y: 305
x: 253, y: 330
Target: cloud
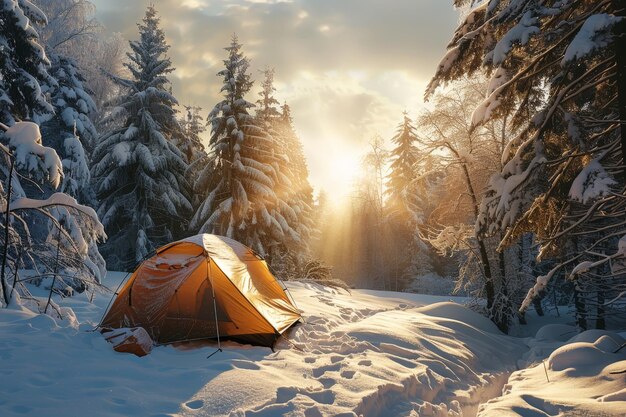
x: 348, y: 68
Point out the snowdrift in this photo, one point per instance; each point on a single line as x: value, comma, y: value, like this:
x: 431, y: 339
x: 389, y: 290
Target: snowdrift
x: 368, y: 353
x: 583, y: 377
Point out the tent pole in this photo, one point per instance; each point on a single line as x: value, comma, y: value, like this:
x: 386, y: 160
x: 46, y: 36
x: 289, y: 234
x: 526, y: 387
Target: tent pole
x: 285, y: 289
x: 293, y: 300
x: 217, y: 327
x: 106, y: 310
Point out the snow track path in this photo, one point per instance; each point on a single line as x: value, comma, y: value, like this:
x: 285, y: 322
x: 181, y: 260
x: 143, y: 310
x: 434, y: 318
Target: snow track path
x: 360, y: 354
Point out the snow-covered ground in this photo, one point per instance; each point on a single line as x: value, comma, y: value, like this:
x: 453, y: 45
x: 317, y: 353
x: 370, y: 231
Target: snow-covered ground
x: 367, y: 353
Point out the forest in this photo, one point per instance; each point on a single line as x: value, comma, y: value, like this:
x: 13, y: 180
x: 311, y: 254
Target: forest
x: 509, y: 189
x: 507, y: 186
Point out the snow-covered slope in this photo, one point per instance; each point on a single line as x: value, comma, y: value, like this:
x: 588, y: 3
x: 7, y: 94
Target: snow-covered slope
x: 586, y: 376
x: 366, y: 353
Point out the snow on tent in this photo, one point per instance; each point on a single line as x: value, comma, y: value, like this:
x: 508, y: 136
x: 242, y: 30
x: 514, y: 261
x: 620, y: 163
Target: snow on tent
x: 204, y: 287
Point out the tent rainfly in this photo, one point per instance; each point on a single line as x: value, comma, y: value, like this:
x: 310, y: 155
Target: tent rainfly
x: 204, y: 287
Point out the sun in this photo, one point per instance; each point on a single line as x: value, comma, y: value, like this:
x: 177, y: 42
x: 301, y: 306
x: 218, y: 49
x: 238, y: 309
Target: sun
x: 343, y: 171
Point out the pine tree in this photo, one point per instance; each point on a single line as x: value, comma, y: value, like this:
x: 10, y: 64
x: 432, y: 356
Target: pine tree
x: 266, y: 104
x: 241, y: 202
x: 302, y: 191
x: 71, y: 131
x: 293, y: 191
x: 283, y: 149
x: 23, y: 64
x: 72, y: 100
x: 403, y: 202
x: 190, y: 143
x: 138, y: 170
x: 404, y: 207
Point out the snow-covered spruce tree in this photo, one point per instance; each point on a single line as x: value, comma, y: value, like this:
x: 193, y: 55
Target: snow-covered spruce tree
x: 403, y: 201
x: 190, y: 143
x: 73, y: 31
x: 70, y: 131
x: 138, y: 171
x: 241, y: 202
x: 405, y: 207
x: 23, y: 63
x: 558, y: 69
x: 292, y: 186
x: 72, y: 100
x: 301, y: 187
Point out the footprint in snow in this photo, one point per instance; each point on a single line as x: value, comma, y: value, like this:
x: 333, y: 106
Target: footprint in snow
x: 336, y: 358
x: 347, y: 374
x: 327, y: 382
x: 286, y: 394
x: 365, y: 362
x: 322, y: 370
x: 312, y: 412
x: 194, y: 405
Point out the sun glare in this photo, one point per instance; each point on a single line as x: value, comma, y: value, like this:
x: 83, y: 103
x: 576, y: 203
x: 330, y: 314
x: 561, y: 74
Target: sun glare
x: 345, y: 170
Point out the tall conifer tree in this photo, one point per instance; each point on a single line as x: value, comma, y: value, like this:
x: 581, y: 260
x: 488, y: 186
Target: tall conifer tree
x: 404, y: 205
x: 139, y: 172
x: 241, y: 200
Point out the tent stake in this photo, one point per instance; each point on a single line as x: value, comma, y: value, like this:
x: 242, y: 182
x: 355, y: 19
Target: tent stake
x: 218, y: 350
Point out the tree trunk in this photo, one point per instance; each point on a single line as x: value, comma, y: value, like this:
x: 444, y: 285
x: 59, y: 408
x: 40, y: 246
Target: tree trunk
x: 620, y: 58
x: 482, y: 249
x: 5, y: 253
x: 600, y: 321
x: 537, y: 304
x: 503, y: 321
x: 579, y: 303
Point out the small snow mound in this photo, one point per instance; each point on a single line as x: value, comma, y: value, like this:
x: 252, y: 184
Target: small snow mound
x: 454, y: 311
x: 592, y: 335
x: 576, y: 355
x: 609, y: 344
x: 558, y: 332
x: 43, y: 322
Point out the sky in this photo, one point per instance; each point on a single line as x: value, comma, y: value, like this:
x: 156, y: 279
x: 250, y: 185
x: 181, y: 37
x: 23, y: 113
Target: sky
x: 347, y: 68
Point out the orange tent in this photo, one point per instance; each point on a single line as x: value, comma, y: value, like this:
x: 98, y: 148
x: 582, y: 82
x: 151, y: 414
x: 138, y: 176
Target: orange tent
x: 204, y: 287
